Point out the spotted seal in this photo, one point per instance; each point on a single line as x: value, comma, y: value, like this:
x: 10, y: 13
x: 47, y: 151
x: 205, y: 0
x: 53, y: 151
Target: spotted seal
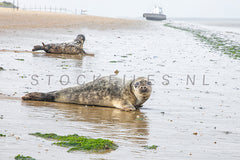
x: 106, y: 91
x: 75, y: 47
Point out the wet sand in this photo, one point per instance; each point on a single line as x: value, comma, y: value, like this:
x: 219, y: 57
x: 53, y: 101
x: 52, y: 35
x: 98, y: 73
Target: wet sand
x: 186, y: 121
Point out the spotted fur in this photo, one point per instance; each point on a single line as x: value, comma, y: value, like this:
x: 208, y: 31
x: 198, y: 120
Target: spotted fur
x: 105, y: 91
x: 75, y: 47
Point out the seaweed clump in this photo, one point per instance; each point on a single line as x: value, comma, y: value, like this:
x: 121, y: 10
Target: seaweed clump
x: 151, y: 147
x: 2, y: 135
x: 76, y: 142
x: 21, y: 157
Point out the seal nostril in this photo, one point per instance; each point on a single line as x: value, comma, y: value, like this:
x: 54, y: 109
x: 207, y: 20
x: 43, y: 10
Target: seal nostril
x: 143, y: 88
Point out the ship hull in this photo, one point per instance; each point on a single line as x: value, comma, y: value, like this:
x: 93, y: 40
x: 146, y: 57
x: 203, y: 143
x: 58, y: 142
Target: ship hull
x: 154, y: 17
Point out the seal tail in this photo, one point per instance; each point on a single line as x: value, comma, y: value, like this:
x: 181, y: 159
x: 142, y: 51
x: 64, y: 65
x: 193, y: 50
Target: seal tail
x: 37, y: 96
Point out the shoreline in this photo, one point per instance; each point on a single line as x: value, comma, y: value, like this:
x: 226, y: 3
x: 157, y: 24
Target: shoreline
x: 21, y: 19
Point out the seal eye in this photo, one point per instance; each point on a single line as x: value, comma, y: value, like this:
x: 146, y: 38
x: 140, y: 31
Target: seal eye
x: 149, y: 83
x: 136, y: 84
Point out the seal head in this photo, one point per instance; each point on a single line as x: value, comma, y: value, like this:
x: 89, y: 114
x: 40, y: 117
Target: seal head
x: 142, y: 89
x: 80, y: 39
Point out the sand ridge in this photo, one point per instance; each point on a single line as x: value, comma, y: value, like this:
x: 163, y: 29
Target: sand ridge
x: 18, y: 19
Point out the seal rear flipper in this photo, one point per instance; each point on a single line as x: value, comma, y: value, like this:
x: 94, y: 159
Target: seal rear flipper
x: 38, y: 47
x: 37, y: 96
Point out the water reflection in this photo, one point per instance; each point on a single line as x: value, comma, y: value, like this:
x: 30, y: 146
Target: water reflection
x: 44, y: 54
x: 113, y: 122
x: 63, y: 56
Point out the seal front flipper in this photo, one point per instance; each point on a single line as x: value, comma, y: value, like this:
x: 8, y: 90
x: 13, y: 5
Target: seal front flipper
x: 37, y: 96
x: 139, y: 106
x: 82, y: 51
x: 123, y: 105
x: 128, y: 108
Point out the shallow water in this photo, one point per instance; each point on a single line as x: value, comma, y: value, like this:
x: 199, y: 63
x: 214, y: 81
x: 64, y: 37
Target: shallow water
x: 168, y: 119
x: 227, y: 25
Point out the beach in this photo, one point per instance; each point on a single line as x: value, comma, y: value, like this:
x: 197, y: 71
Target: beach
x: 20, y: 19
x: 193, y: 112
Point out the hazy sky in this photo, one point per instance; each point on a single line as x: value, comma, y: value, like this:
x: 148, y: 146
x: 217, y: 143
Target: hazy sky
x: 135, y: 8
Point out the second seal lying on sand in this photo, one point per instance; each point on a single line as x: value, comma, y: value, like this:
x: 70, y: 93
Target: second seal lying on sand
x: 75, y: 47
x: 105, y: 91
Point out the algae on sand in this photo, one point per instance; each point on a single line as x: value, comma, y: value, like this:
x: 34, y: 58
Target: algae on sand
x: 216, y: 42
x: 151, y: 147
x: 2, y: 135
x: 76, y: 142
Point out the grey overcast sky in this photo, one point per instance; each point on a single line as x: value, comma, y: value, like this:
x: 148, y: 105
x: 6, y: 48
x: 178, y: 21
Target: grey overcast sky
x: 135, y: 8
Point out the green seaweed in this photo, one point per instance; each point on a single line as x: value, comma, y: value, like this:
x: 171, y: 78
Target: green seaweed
x: 19, y: 59
x: 217, y: 43
x: 2, y: 135
x: 115, y: 61
x: 21, y: 157
x: 76, y: 142
x: 151, y: 147
x: 23, y: 76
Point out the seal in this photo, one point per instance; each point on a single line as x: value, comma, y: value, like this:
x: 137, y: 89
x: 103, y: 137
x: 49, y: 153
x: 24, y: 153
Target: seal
x: 75, y: 47
x: 107, y: 91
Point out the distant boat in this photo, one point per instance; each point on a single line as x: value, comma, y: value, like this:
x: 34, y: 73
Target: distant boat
x: 155, y: 15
